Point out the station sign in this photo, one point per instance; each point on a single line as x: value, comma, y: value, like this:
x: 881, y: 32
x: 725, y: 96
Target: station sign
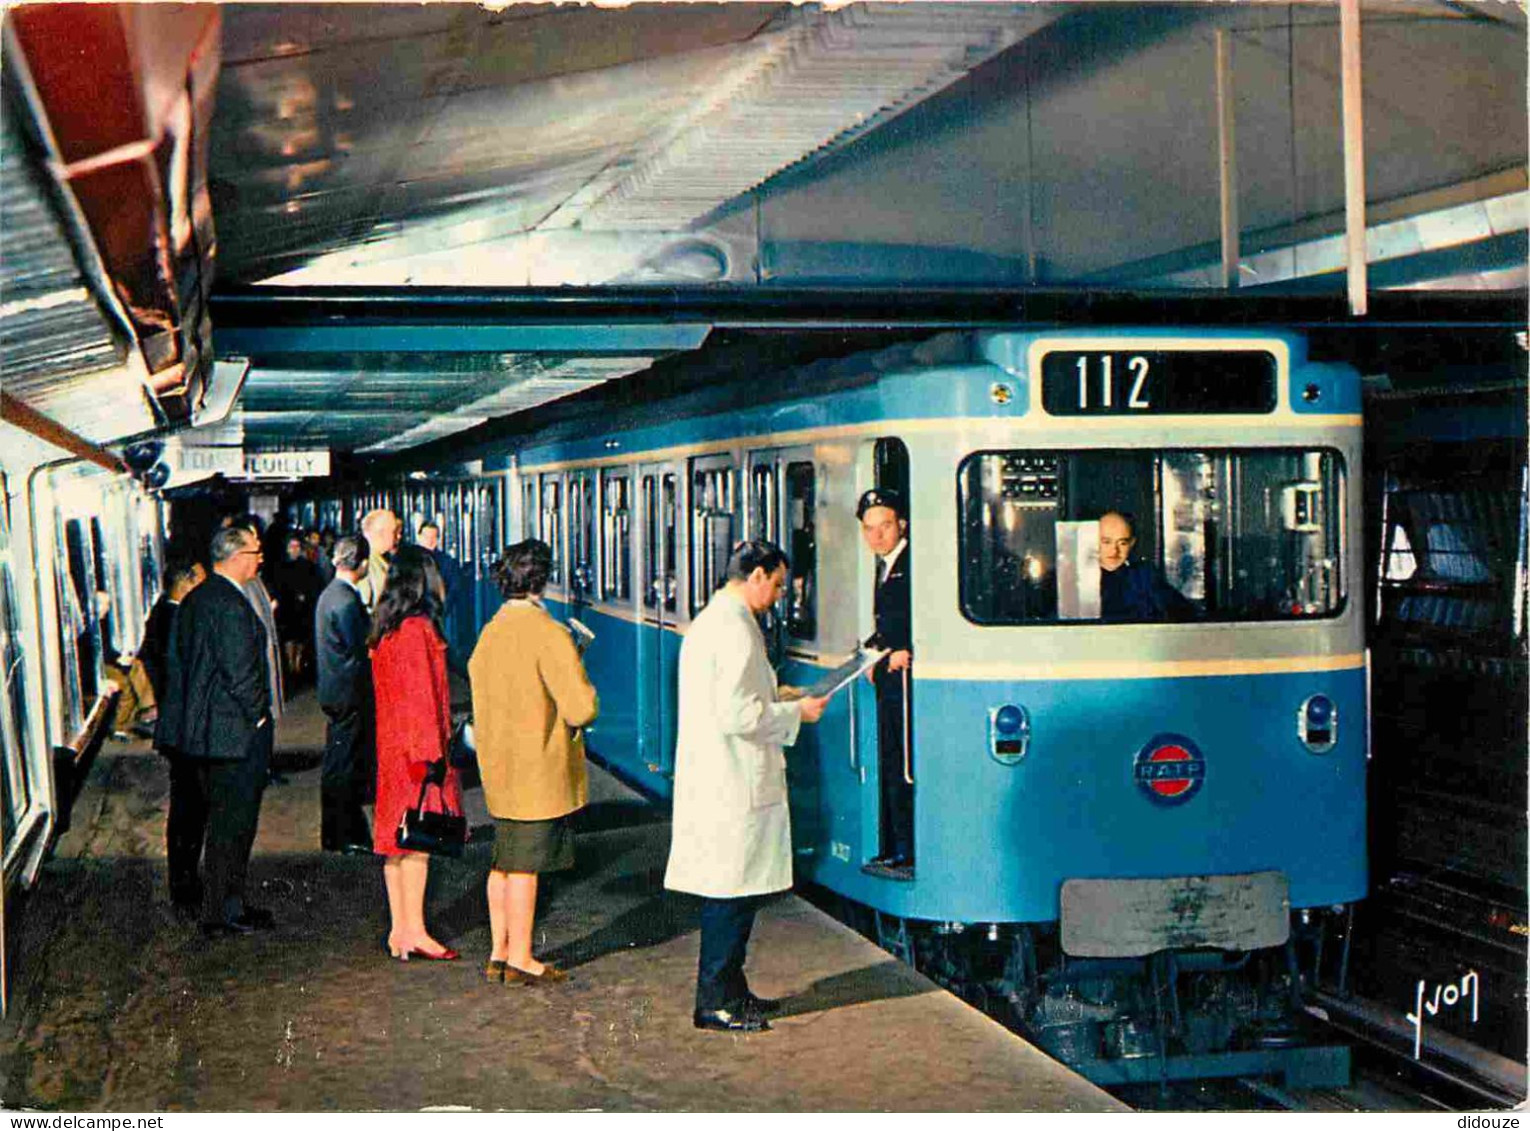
x: 199, y: 462
x: 286, y: 465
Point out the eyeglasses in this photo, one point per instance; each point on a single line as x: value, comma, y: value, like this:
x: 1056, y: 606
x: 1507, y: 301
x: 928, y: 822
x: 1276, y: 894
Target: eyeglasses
x: 257, y: 553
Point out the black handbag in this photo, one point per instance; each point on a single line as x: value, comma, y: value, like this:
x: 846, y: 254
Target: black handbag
x: 422, y: 830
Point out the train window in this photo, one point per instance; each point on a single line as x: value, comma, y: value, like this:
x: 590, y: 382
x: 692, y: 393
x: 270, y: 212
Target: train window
x: 802, y: 545
x: 712, y: 519
x: 552, y: 526
x: 1225, y: 535
x: 616, y: 539
x: 661, y: 520
x: 13, y: 692
x: 762, y: 503
x: 531, y: 514
x: 581, y: 533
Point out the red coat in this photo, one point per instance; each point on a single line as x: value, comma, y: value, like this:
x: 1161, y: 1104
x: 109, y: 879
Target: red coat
x: 414, y: 724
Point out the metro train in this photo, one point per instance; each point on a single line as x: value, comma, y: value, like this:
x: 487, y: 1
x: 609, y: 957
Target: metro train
x: 1139, y: 839
x: 81, y: 561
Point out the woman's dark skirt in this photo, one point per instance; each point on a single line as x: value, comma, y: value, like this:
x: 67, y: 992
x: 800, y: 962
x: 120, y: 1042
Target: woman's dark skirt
x: 533, y: 846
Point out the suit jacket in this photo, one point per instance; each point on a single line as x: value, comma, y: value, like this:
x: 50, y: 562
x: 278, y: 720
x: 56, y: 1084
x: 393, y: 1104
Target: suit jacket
x: 530, y: 696
x: 217, y: 681
x: 155, y: 652
x: 731, y: 833
x: 340, y: 643
x: 891, y: 605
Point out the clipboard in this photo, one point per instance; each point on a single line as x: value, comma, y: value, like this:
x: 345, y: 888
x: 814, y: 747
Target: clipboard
x: 860, y: 660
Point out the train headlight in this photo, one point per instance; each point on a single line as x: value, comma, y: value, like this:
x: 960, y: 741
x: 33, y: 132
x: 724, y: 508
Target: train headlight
x: 1009, y: 733
x: 1317, y: 724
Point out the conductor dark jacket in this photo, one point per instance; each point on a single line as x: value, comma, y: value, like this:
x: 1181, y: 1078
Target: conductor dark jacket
x: 894, y: 616
x: 340, y: 632
x: 217, y: 681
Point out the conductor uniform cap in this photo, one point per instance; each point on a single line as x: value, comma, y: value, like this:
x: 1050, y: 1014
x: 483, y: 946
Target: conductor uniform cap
x: 881, y: 497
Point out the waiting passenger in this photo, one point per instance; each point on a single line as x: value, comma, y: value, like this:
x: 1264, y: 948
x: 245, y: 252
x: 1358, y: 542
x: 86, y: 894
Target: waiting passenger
x: 298, y: 584
x: 732, y: 839
x: 186, y: 821
x: 217, y: 713
x: 414, y: 725
x: 1130, y: 590
x: 530, y: 697
x: 380, y: 528
x: 345, y: 696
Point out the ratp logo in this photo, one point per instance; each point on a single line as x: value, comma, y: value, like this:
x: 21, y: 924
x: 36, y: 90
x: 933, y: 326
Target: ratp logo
x: 1169, y: 769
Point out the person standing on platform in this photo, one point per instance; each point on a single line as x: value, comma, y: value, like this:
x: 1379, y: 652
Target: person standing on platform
x: 260, y: 599
x: 380, y: 528
x: 884, y: 528
x: 298, y: 586
x: 217, y: 714
x: 530, y: 697
x: 429, y: 539
x: 731, y: 842
x: 186, y: 822
x: 345, y: 695
x: 414, y: 723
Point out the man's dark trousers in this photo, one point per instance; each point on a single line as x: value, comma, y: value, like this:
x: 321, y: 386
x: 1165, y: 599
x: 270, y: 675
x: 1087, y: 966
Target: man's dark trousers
x: 893, y: 734
x: 725, y: 928
x: 185, y: 829
x: 233, y: 790
x: 347, y: 746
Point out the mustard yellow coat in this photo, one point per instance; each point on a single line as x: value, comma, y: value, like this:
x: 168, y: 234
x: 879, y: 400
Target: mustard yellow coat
x: 530, y: 696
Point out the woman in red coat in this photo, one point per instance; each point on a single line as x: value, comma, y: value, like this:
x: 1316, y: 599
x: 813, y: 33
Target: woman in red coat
x: 413, y: 727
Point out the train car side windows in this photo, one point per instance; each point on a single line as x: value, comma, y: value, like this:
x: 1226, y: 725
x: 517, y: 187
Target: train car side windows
x: 713, y: 514
x: 551, y: 525
x: 531, y: 513
x: 802, y: 547
x: 616, y: 538
x: 1226, y: 535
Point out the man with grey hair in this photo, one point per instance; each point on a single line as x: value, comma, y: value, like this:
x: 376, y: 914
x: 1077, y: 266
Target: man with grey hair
x: 341, y: 625
x: 217, y: 714
x: 381, y: 529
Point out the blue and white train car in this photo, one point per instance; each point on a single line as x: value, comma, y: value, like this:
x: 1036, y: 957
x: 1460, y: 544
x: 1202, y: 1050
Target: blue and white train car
x: 1091, y: 796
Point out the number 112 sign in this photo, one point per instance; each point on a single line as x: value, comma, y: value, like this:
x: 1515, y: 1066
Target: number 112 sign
x: 1155, y: 382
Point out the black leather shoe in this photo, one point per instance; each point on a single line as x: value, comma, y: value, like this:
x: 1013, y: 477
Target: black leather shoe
x: 730, y: 1021
x: 257, y: 918
x: 761, y: 1005
x: 350, y: 848
x: 226, y: 928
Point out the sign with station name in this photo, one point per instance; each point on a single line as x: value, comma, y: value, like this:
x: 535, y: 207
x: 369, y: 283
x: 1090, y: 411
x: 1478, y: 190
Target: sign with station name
x: 199, y: 462
x: 286, y: 465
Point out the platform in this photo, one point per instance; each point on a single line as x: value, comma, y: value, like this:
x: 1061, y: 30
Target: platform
x: 118, y: 1006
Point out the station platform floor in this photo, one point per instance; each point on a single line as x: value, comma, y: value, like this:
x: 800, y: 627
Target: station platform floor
x: 118, y: 1006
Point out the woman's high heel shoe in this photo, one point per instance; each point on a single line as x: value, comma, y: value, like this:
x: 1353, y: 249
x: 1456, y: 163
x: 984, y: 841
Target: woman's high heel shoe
x: 445, y: 954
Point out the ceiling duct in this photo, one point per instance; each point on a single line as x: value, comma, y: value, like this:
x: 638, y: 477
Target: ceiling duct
x: 812, y: 81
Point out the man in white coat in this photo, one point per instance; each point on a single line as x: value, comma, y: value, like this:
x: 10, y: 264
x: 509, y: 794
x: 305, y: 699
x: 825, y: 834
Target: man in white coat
x: 732, y: 837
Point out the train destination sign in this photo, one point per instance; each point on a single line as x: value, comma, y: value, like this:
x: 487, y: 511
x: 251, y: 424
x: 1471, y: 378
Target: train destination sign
x: 1147, y: 382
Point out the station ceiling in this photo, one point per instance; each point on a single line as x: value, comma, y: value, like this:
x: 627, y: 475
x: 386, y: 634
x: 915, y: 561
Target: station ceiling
x: 747, y: 150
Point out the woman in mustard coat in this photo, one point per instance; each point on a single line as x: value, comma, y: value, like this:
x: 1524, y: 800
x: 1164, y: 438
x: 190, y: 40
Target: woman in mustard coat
x: 530, y: 697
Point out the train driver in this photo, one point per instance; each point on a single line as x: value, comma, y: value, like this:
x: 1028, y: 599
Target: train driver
x: 1130, y: 590
x: 884, y: 527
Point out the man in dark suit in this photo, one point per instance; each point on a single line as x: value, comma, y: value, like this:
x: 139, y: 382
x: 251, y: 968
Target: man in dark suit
x: 345, y: 693
x: 186, y: 825
x: 884, y: 527
x: 217, y: 713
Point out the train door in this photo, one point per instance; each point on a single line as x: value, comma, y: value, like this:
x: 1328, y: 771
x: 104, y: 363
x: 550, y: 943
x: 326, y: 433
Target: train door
x: 550, y: 524
x: 658, y: 500
x: 781, y: 506
x: 582, y: 553
x: 884, y: 720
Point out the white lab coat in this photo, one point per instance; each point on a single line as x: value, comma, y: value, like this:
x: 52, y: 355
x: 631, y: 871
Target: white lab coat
x: 732, y: 832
